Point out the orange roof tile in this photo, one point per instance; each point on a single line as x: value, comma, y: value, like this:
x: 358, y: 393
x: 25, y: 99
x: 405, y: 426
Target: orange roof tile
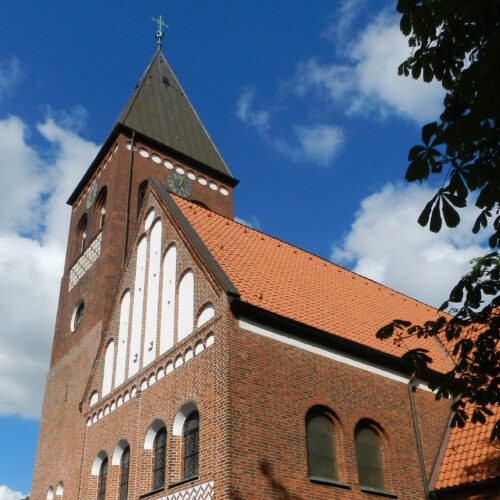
x: 293, y: 283
x: 469, y: 455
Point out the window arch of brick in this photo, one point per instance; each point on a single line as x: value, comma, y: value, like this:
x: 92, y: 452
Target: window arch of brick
x: 322, y: 438
x: 100, y: 208
x: 81, y: 234
x: 368, y: 441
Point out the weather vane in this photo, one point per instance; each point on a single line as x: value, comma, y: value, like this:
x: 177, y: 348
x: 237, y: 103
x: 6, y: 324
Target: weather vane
x: 159, y: 31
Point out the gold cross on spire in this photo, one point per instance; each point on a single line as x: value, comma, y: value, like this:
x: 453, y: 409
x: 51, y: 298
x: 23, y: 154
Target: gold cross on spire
x: 159, y: 31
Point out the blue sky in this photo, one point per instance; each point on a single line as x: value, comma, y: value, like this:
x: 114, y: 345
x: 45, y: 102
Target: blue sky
x: 303, y: 102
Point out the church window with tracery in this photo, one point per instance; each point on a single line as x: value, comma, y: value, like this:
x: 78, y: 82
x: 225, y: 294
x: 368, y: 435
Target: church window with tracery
x: 159, y: 455
x: 191, y: 445
x: 81, y: 234
x: 100, y: 209
x: 103, y: 477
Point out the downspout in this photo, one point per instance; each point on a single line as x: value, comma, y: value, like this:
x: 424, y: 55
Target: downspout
x: 129, y: 195
x: 417, y: 436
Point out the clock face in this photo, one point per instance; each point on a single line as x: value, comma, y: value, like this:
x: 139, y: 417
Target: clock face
x: 91, y: 195
x: 179, y: 185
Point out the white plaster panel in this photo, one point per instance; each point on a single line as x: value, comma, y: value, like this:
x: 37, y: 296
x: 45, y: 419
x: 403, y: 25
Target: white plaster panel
x: 137, y: 309
x: 109, y: 359
x: 149, y: 219
x: 186, y: 305
x: 84, y: 263
x: 149, y: 351
x: 121, y: 356
x: 168, y: 300
x: 94, y: 397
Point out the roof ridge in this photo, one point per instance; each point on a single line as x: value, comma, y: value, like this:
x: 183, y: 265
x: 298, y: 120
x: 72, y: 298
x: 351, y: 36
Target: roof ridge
x: 326, y: 261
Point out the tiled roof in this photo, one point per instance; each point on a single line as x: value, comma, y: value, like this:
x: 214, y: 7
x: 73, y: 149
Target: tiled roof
x: 159, y: 109
x: 293, y: 283
x: 470, y: 456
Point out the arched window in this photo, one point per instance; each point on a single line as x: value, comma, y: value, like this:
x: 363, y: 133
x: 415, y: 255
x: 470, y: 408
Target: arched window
x: 321, y: 454
x: 159, y: 449
x: 103, y: 476
x: 191, y: 444
x: 124, y: 464
x: 81, y: 234
x: 141, y: 194
x: 100, y: 208
x: 369, y: 457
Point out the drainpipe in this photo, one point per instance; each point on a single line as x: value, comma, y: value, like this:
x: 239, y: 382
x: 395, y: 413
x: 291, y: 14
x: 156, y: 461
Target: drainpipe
x: 129, y: 195
x: 411, y: 386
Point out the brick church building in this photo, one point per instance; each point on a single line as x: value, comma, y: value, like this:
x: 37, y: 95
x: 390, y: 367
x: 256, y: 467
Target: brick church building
x: 197, y: 358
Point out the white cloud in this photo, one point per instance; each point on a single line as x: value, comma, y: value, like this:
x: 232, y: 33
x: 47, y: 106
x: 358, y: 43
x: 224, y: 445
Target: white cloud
x: 345, y: 16
x: 368, y: 82
x: 245, y: 111
x: 33, y: 232
x: 7, y: 494
x: 252, y: 222
x: 10, y: 73
x: 316, y: 143
x: 387, y: 244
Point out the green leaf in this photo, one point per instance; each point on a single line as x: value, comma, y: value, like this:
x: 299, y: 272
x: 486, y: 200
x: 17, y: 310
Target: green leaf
x: 436, y: 221
x: 423, y: 220
x: 450, y: 215
x: 428, y: 131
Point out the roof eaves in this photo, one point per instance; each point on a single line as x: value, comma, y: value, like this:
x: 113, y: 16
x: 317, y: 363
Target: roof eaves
x: 196, y: 241
x: 472, y: 487
x: 326, y: 339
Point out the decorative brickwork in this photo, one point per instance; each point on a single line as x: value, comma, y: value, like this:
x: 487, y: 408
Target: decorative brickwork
x: 203, y: 491
x: 84, y: 263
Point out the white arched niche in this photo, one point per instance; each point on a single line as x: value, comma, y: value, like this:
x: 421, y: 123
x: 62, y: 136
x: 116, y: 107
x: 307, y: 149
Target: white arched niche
x: 168, y: 299
x: 60, y: 489
x: 96, y: 464
x: 151, y: 434
x: 109, y: 359
x: 186, y: 305
x: 94, y: 397
x: 137, y: 307
x: 153, y: 293
x: 149, y: 219
x: 50, y: 493
x: 122, y: 339
x: 184, y: 412
x: 206, y: 314
x: 119, y: 449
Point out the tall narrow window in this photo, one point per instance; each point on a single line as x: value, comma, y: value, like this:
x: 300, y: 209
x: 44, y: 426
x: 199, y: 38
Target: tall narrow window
x: 159, y: 449
x: 124, y: 465
x: 191, y: 445
x: 81, y: 234
x: 321, y: 455
x: 103, y: 476
x: 369, y: 457
x: 100, y: 208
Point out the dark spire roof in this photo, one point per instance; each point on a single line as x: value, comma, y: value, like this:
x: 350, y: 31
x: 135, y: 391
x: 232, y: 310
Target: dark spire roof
x: 159, y: 109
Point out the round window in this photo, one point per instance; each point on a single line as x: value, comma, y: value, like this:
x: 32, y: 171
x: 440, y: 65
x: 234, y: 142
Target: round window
x: 76, y: 317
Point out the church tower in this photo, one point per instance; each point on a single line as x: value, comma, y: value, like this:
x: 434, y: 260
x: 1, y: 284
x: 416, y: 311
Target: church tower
x: 195, y: 358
